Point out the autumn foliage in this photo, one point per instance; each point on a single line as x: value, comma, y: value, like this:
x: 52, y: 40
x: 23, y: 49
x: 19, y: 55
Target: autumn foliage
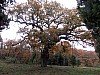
x: 59, y: 54
x: 86, y: 58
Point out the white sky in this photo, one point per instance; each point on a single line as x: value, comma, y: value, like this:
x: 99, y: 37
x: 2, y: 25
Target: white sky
x: 65, y: 3
x: 11, y: 33
x: 68, y: 3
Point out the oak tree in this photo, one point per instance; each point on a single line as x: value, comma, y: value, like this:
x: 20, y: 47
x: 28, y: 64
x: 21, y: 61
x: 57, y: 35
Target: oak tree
x: 48, y: 20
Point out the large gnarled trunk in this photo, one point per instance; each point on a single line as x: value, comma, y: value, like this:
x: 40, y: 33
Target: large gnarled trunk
x: 44, y: 57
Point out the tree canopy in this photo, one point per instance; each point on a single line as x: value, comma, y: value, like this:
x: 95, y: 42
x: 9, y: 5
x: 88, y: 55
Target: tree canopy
x: 48, y: 20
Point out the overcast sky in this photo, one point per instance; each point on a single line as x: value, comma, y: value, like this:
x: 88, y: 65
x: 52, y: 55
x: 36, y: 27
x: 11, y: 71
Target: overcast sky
x: 65, y: 3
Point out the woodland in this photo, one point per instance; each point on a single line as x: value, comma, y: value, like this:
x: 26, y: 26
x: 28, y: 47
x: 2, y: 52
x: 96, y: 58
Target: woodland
x: 40, y: 47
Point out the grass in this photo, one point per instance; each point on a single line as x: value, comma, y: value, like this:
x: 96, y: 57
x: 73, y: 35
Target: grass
x: 29, y: 69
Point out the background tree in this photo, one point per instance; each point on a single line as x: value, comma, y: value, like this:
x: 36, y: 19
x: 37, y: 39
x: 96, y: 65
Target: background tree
x: 4, y: 20
x: 90, y: 11
x: 1, y: 42
x: 91, y: 58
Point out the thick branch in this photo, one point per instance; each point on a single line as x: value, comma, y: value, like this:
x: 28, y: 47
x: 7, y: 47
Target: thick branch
x: 41, y: 29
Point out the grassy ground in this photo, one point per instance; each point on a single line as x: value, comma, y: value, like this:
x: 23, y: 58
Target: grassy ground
x: 26, y: 69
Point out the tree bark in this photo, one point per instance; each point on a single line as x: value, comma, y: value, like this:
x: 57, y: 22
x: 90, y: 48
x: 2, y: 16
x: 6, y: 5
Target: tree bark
x: 44, y: 57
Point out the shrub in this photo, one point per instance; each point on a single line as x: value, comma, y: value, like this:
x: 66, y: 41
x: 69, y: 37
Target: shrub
x: 58, y: 59
x: 73, y: 60
x: 78, y: 62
